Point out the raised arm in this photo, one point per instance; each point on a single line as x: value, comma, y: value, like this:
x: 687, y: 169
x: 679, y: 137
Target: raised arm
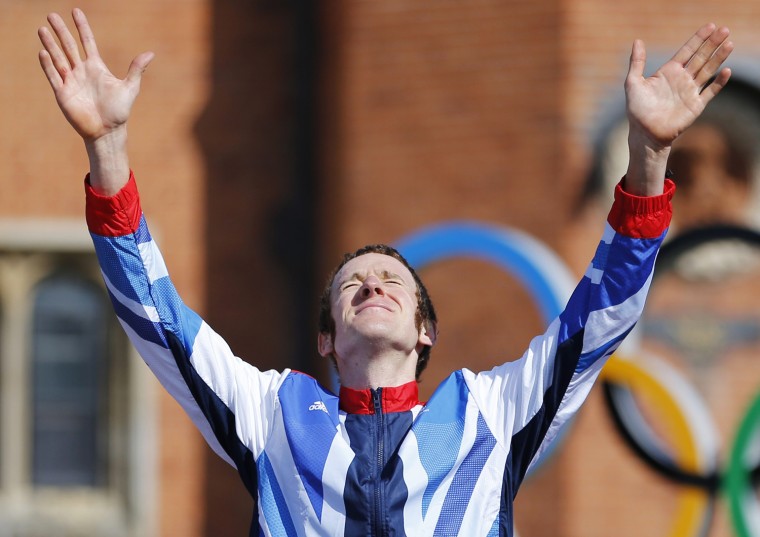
x: 662, y: 106
x: 95, y: 102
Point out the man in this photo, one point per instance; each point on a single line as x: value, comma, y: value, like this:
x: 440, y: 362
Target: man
x: 376, y: 461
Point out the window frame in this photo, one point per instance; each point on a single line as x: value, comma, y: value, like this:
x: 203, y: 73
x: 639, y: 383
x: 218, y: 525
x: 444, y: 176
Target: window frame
x: 32, y: 250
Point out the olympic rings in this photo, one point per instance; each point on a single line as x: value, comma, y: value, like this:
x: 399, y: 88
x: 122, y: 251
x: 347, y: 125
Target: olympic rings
x: 692, y: 434
x: 741, y: 474
x: 676, y: 403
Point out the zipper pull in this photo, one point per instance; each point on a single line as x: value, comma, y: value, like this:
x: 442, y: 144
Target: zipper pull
x: 377, y: 400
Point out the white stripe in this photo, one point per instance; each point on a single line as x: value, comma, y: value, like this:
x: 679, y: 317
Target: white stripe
x: 594, y: 274
x: 161, y: 362
x: 608, y: 233
x: 334, y: 474
x: 153, y: 261
x: 141, y: 310
x: 417, y: 481
x: 483, y: 506
x: 246, y: 391
x: 577, y: 390
x: 510, y: 395
x: 610, y: 323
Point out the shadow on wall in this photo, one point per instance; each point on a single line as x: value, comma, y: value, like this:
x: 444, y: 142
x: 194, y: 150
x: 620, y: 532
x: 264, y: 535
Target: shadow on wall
x: 255, y: 134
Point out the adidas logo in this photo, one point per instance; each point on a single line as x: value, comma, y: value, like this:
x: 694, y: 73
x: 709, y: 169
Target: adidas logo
x: 318, y: 405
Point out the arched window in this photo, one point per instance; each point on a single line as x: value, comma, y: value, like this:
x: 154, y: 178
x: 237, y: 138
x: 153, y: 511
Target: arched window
x: 70, y: 388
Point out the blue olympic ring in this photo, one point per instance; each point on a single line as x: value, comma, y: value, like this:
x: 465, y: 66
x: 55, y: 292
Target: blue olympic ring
x: 544, y: 274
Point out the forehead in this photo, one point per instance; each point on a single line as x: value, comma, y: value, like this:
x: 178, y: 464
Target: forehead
x: 374, y: 263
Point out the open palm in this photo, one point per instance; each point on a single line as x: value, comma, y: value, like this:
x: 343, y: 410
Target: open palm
x: 93, y: 100
x: 665, y: 104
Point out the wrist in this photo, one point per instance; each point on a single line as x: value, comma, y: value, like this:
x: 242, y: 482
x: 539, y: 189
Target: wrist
x: 647, y: 164
x: 109, y: 162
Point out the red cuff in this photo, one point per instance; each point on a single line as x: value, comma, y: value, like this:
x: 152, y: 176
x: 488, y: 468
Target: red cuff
x: 642, y: 217
x: 113, y: 216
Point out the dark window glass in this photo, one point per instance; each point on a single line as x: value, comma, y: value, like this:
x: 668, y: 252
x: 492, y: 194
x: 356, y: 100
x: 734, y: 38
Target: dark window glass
x: 69, y: 383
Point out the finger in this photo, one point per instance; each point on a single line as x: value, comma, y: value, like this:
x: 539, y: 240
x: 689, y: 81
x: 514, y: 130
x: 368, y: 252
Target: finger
x: 712, y: 89
x: 85, y: 34
x: 138, y: 67
x: 684, y: 54
x: 58, y: 58
x: 50, y: 71
x: 637, y: 61
x: 701, y: 58
x: 713, y: 64
x: 68, y: 43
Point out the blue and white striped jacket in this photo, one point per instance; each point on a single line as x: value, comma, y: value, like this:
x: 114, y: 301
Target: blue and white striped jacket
x: 379, y: 462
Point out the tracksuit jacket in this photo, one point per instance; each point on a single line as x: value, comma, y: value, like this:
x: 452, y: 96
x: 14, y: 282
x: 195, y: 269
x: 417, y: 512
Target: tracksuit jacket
x: 379, y: 462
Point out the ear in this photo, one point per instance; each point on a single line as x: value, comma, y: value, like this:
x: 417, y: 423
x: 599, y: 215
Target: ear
x: 428, y: 333
x: 325, y: 344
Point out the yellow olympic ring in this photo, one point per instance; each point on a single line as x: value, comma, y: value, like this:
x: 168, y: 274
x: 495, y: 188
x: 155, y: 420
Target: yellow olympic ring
x: 692, y: 502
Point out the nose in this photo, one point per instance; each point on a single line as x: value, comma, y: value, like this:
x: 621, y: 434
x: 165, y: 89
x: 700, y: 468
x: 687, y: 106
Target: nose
x: 371, y: 286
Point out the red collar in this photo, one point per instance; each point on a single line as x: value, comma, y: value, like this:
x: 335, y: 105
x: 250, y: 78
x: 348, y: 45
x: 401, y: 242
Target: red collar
x: 392, y: 399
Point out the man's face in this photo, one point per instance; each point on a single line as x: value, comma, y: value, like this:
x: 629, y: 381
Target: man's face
x: 374, y: 302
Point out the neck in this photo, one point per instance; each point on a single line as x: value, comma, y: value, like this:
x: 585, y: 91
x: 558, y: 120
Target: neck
x: 385, y: 370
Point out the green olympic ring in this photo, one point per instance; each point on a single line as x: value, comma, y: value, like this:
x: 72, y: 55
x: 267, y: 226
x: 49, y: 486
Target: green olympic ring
x: 738, y: 484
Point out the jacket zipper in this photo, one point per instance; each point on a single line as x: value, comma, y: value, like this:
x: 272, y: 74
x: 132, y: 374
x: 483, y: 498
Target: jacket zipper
x: 377, y: 398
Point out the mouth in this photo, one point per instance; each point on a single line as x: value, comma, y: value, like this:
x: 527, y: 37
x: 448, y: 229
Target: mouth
x: 373, y: 305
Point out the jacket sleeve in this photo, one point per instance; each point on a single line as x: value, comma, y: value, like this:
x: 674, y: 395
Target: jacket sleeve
x: 526, y: 402
x: 230, y: 401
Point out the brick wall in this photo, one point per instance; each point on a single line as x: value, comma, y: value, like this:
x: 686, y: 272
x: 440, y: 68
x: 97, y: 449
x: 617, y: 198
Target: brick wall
x: 424, y: 111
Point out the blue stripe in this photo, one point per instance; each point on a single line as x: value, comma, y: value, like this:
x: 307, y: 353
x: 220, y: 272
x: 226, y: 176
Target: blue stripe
x: 360, y: 476
x: 494, y: 531
x: 191, y: 324
x: 586, y: 360
x: 575, y: 315
x: 142, y: 234
x: 120, y: 260
x: 364, y: 479
x: 168, y: 304
x: 273, y: 501
x: 145, y: 328
x: 219, y: 416
x: 460, y: 492
x: 600, y: 256
x: 527, y: 441
x: 310, y: 430
x: 439, y: 429
x: 396, y: 493
x: 617, y: 284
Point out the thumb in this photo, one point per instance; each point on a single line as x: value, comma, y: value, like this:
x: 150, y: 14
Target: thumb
x: 638, y: 60
x: 138, y: 67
